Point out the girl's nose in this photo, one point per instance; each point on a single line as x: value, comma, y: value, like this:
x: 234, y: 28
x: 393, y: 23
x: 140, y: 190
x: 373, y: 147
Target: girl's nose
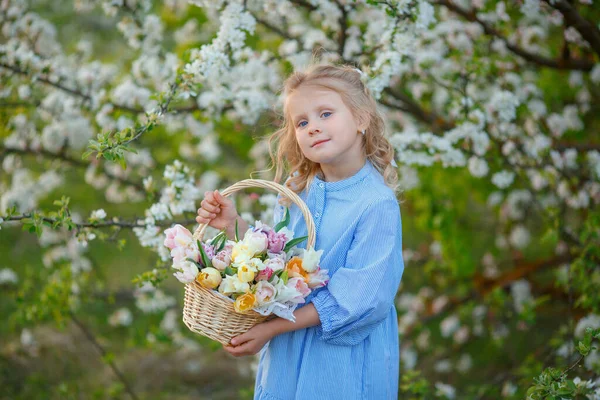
x: 314, y: 130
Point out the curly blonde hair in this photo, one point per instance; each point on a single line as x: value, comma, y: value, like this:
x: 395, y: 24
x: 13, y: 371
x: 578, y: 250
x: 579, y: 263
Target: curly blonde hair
x: 284, y: 150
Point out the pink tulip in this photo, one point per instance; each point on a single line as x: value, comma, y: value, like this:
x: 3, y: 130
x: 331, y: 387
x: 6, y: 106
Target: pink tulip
x: 264, y: 275
x: 276, y: 241
x: 177, y: 236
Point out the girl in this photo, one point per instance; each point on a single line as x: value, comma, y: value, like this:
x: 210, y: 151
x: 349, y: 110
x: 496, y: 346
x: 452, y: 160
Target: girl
x: 344, y: 343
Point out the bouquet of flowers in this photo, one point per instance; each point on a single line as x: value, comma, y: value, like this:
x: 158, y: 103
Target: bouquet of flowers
x: 264, y: 271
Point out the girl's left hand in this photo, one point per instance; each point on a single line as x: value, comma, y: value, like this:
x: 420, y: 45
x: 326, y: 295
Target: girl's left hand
x: 251, y: 342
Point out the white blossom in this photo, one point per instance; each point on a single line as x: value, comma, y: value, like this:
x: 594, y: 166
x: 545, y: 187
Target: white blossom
x: 503, y: 179
x: 8, y: 276
x: 121, y: 317
x: 589, y: 321
x: 505, y: 103
x: 446, y: 390
x: 153, y: 302
x: 520, y: 237
x: 478, y: 167
x: 449, y: 325
x: 521, y: 293
x: 99, y: 214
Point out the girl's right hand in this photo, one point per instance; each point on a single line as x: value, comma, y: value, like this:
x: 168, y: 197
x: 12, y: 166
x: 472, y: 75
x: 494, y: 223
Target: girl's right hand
x: 217, y: 211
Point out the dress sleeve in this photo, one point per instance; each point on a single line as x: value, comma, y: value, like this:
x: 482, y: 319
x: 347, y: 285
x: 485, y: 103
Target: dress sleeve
x: 278, y: 211
x: 359, y: 294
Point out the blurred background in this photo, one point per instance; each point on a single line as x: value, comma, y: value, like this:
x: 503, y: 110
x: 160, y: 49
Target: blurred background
x: 117, y: 115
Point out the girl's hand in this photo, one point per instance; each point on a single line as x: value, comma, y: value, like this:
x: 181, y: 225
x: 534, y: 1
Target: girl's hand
x: 217, y: 211
x: 251, y: 342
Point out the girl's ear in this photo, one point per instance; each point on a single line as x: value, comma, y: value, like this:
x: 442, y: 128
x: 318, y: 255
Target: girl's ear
x: 362, y: 121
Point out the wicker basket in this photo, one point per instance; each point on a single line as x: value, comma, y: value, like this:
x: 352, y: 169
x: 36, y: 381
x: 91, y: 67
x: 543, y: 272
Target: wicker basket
x: 206, y: 313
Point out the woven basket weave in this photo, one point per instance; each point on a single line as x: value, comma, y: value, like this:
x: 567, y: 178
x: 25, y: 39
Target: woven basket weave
x: 206, y: 313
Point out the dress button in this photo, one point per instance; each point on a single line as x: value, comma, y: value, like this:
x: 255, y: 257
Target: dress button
x: 321, y: 185
x: 317, y: 215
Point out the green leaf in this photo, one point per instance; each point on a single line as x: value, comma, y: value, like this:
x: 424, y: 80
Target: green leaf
x: 221, y: 245
x: 294, y: 242
x: 583, y: 349
x: 229, y: 270
x: 108, y: 357
x: 284, y: 222
x: 219, y: 241
x: 237, y: 237
x: 284, y: 277
x: 195, y: 262
x: 204, y: 257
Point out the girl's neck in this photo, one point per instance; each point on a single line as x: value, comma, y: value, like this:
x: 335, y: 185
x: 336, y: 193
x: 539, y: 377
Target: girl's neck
x: 336, y: 173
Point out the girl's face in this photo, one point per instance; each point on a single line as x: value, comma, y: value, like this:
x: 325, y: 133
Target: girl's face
x: 326, y: 130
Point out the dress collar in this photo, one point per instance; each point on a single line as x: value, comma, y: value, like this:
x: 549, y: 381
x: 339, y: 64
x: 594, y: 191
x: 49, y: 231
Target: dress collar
x: 344, y: 183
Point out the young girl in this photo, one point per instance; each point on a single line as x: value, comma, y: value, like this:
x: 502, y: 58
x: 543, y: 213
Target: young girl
x: 344, y: 343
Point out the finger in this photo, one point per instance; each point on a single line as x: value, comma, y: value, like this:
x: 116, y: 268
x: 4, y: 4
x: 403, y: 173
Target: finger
x: 209, y: 202
x: 240, y: 339
x: 243, y: 349
x: 210, y: 207
x: 229, y: 349
x: 202, y: 220
x: 234, y: 351
x: 210, y: 197
x: 205, y: 214
x: 219, y: 197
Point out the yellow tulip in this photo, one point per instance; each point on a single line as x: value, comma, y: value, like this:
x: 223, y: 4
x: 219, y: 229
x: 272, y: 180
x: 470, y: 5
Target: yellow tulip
x: 244, y: 303
x: 209, y: 278
x: 246, y: 273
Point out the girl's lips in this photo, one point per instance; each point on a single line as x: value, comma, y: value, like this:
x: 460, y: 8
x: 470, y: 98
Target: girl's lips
x: 320, y: 142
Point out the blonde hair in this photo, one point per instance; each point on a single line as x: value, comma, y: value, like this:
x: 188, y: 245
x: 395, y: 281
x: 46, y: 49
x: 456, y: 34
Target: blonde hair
x: 284, y: 150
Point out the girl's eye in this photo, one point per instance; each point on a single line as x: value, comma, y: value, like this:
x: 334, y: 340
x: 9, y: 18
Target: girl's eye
x: 302, y: 124
x: 326, y: 114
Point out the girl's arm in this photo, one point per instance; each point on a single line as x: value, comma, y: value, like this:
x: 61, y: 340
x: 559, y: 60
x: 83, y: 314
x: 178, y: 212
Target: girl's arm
x: 242, y: 227
x: 306, y: 316
x: 251, y: 342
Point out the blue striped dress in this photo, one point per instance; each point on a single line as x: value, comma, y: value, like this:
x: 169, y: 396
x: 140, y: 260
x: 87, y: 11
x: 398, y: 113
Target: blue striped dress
x: 353, y: 353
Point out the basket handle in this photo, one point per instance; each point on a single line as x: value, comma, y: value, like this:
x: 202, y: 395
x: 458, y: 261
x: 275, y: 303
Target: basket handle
x: 248, y: 183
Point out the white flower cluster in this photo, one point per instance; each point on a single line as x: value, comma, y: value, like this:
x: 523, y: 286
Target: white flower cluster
x: 152, y: 300
x: 121, y: 317
x: 521, y: 294
x: 25, y: 191
x: 180, y: 195
x: 98, y: 215
x: 593, y: 158
x: 8, y: 276
x: 24, y: 135
x: 72, y: 251
x: 425, y: 149
x: 211, y: 61
x: 505, y: 103
x: 569, y: 119
x: 503, y: 179
x: 131, y: 95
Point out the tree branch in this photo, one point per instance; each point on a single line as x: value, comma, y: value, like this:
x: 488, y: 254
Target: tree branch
x: 586, y: 28
x: 484, y: 286
x: 105, y: 224
x: 562, y: 64
x: 305, y: 4
x: 88, y: 98
x: 343, y: 21
x: 72, y: 161
x: 275, y: 29
x: 438, y: 123
x: 90, y: 336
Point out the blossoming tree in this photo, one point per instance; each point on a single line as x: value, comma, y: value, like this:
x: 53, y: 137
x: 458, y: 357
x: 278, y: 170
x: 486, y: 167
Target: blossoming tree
x: 117, y: 115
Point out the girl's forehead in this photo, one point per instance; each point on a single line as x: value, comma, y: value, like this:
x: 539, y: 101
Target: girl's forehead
x: 310, y: 95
